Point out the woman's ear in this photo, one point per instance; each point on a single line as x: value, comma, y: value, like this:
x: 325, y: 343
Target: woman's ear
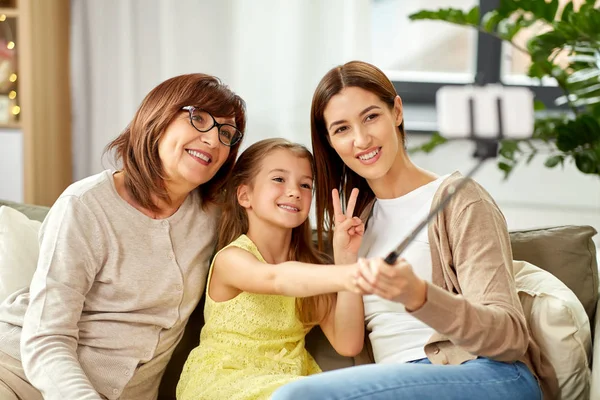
x: 244, y: 196
x: 398, y: 111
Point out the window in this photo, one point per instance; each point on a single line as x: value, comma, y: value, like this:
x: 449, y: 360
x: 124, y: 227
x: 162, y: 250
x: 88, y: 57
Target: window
x: 422, y: 56
x: 424, y: 50
x: 515, y: 63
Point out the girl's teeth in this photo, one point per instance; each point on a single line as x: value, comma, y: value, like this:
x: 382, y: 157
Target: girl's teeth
x: 289, y: 208
x: 368, y: 156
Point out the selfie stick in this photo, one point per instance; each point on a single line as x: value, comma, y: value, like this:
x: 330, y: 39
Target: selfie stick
x: 486, y: 148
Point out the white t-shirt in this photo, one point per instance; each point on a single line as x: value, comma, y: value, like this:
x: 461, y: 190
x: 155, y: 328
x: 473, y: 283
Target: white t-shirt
x: 396, y: 336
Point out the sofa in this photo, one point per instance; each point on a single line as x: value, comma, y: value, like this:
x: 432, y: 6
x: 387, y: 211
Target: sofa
x: 567, y: 252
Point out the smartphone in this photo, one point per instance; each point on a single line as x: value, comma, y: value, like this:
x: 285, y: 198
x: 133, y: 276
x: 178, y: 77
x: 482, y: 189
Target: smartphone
x: 486, y: 112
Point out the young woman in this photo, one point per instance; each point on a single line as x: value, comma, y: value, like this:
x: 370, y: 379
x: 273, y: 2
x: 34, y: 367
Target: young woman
x: 264, y: 290
x: 445, y: 322
x: 124, y: 254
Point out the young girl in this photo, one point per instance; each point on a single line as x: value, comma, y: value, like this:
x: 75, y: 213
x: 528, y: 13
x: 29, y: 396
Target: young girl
x: 264, y: 292
x: 445, y: 321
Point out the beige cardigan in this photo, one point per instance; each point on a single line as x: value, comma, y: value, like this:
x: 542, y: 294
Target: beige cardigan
x: 473, y: 304
x: 111, y: 295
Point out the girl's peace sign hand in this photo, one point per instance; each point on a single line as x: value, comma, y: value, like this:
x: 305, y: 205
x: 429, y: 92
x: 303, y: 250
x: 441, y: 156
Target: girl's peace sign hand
x: 348, y: 230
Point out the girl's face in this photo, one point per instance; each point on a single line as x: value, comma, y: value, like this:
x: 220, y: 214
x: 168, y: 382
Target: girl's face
x: 281, y: 193
x: 191, y: 158
x: 362, y: 130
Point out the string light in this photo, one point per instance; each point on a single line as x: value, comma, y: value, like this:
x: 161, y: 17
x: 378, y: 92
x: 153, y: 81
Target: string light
x: 2, y: 18
x: 16, y: 110
x: 12, y: 95
x: 10, y: 45
x: 13, y: 77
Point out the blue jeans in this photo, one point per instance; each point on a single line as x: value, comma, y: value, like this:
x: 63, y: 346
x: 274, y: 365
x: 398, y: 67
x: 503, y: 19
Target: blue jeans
x: 481, y: 378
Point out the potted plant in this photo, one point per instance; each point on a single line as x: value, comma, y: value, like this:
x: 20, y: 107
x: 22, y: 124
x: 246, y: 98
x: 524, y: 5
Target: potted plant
x: 572, y: 135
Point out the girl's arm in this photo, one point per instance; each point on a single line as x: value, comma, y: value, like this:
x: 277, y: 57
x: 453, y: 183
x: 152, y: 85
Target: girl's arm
x: 65, y: 272
x: 344, y: 325
x: 238, y: 269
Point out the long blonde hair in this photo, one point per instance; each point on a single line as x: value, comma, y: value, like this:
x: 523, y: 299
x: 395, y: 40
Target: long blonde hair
x: 234, y: 220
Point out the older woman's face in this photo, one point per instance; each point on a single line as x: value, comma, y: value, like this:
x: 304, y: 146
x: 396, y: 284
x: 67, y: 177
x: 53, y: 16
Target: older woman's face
x: 191, y: 158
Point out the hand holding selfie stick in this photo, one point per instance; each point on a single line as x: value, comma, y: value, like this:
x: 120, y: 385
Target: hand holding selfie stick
x: 450, y: 102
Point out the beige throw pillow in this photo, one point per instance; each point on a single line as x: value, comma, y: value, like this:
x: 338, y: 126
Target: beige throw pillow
x: 19, y: 250
x: 559, y: 325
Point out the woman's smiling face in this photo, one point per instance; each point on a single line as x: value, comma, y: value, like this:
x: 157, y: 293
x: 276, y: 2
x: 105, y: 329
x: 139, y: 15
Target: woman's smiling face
x: 362, y: 129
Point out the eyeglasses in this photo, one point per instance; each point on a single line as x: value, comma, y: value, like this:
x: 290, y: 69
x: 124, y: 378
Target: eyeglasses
x: 203, y: 121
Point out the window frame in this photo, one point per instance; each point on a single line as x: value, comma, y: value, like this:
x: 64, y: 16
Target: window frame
x: 488, y: 55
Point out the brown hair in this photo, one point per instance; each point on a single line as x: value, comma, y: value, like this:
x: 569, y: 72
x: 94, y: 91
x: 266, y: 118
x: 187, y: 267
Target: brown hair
x: 234, y: 219
x: 137, y: 145
x: 331, y: 172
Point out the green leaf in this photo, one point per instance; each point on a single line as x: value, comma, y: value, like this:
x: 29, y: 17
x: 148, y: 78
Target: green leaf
x: 507, y: 7
x: 564, y: 99
x: 451, y: 15
x: 421, y: 15
x: 473, y: 16
x: 587, y: 91
x: 538, y: 105
x: 542, y: 47
x: 583, y: 75
x: 490, y: 21
x: 540, y: 69
x: 435, y: 141
x: 545, y: 128
x: 530, y: 157
x: 565, y: 141
x: 589, y: 132
x: 553, y: 161
x: 508, y: 148
x: 539, y: 8
x: 507, y: 168
x: 551, y: 10
x: 567, y: 11
x: 585, y: 48
x: 508, y: 29
x: 586, y: 162
x: 586, y: 101
x: 582, y: 58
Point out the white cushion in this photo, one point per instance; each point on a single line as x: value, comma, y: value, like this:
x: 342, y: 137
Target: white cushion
x: 19, y: 250
x: 559, y: 325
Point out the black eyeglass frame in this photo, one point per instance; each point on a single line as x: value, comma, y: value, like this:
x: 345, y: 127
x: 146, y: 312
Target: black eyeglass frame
x: 233, y: 142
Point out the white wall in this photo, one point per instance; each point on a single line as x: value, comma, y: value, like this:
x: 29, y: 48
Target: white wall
x: 533, y: 196
x: 273, y: 53
x: 11, y: 165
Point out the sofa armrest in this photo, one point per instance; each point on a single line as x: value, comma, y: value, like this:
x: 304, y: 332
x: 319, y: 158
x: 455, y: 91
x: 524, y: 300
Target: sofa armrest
x: 595, y: 379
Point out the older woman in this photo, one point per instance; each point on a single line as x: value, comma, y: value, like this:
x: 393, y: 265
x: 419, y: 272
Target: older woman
x: 124, y: 254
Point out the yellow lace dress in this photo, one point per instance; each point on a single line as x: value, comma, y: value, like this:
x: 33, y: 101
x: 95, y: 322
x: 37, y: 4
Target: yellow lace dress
x: 249, y: 346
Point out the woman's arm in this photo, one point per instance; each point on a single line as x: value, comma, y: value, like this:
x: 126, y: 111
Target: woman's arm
x: 238, y: 269
x: 487, y: 318
x: 65, y: 272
